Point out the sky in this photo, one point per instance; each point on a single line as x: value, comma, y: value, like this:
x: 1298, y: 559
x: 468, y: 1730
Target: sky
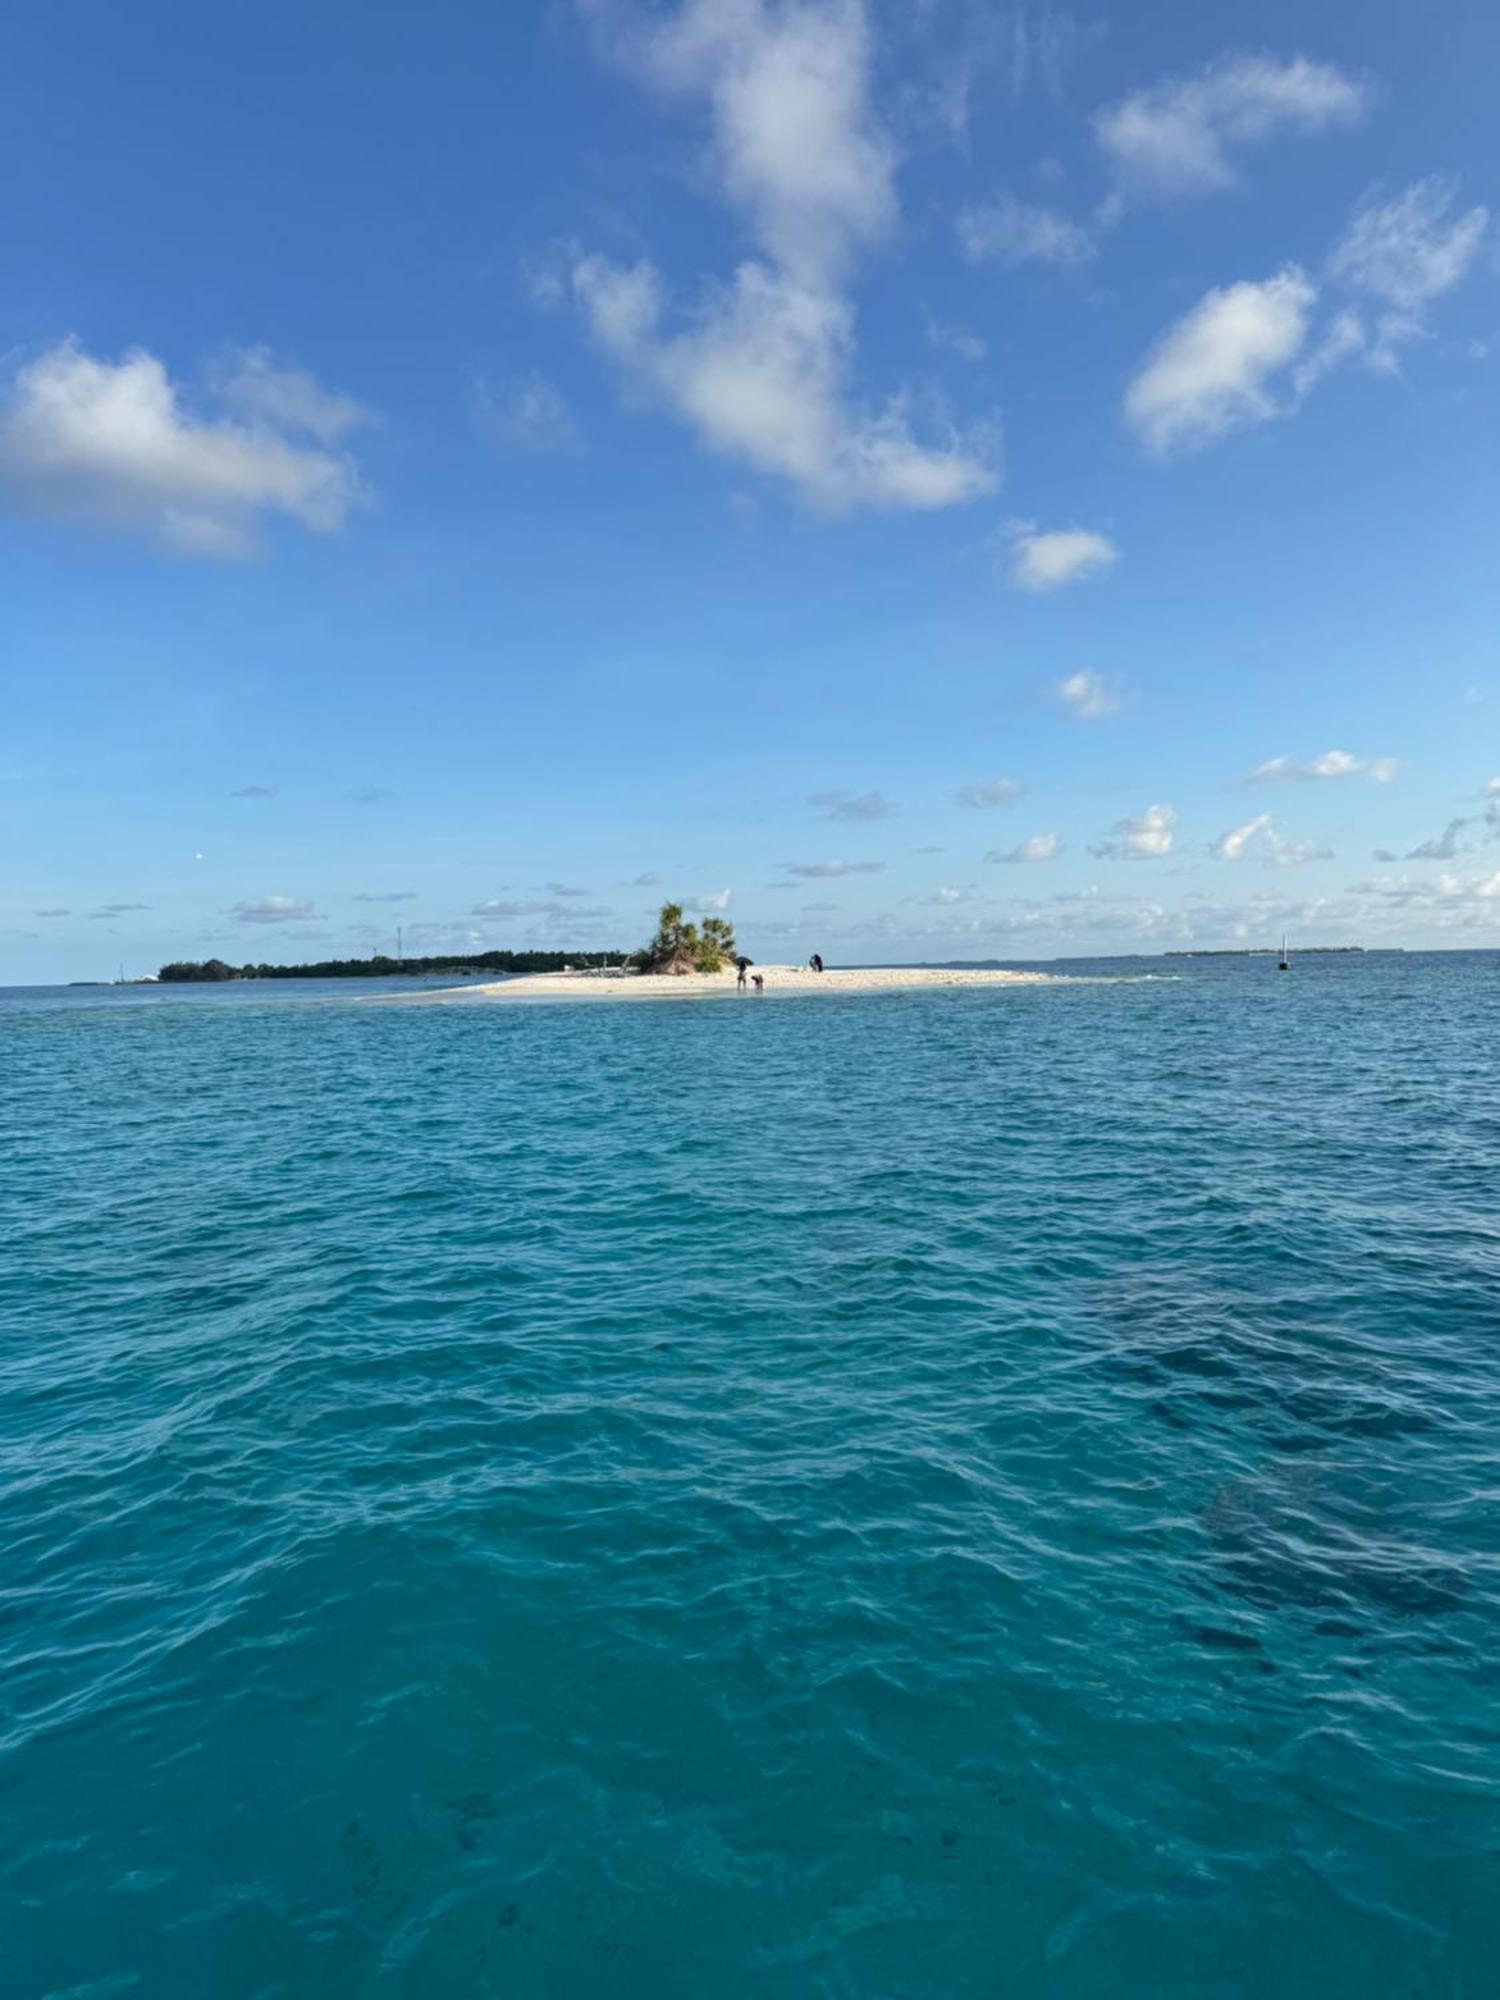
x: 929, y: 480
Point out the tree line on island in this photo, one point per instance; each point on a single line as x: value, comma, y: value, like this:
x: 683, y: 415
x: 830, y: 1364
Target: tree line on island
x: 679, y: 947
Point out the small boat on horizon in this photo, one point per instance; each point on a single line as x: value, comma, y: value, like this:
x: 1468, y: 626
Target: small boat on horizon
x: 1283, y: 964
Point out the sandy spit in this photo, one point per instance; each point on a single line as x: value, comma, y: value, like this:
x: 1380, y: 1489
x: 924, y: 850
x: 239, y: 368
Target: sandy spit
x: 781, y: 980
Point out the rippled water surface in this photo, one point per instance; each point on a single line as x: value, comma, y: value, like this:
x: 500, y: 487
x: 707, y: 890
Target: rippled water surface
x: 968, y: 1493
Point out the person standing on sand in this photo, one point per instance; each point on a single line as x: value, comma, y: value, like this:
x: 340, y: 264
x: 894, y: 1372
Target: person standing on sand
x: 744, y: 965
x: 816, y: 961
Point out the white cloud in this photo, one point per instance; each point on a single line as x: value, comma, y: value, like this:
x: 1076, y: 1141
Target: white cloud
x: 1262, y: 836
x: 273, y: 910
x: 818, y: 870
x: 852, y: 805
x: 1331, y: 764
x: 497, y: 907
x: 1090, y: 696
x: 761, y: 375
x: 527, y: 413
x: 1231, y: 846
x: 1007, y: 231
x: 713, y: 902
x: 1062, y: 555
x: 564, y: 889
x: 109, y: 444
x: 796, y: 144
x: 1214, y: 370
x: 1036, y: 847
x: 389, y: 896
x: 287, y: 399
x: 1178, y: 136
x: 760, y: 370
x: 991, y: 793
x: 1404, y: 254
x: 1147, y: 837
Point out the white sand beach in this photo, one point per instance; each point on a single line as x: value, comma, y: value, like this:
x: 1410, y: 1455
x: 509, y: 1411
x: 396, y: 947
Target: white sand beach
x: 780, y: 981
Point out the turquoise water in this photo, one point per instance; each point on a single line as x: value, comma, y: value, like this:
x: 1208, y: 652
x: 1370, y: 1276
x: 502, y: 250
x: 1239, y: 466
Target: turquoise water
x: 975, y: 1493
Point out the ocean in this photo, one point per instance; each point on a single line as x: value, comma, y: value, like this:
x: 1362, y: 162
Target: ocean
x: 982, y: 1492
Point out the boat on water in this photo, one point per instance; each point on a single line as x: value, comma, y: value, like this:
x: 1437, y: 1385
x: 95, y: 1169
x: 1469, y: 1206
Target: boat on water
x: 1283, y: 963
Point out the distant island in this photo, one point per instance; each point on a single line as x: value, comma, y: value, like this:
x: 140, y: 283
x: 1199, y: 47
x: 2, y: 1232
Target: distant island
x: 212, y: 970
x: 1270, y: 951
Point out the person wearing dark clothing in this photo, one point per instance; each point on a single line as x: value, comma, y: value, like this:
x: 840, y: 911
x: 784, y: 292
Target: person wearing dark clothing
x: 744, y: 965
x: 816, y: 961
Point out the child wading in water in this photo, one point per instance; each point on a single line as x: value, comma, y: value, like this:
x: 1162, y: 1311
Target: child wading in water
x: 758, y: 983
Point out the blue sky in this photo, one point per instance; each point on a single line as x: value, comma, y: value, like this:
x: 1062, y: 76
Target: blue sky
x: 935, y: 479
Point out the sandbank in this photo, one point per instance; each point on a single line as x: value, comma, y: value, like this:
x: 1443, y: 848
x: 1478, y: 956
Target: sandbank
x: 780, y: 981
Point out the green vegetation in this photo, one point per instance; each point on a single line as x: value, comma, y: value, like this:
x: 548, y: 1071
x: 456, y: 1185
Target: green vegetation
x: 492, y: 962
x: 681, y: 948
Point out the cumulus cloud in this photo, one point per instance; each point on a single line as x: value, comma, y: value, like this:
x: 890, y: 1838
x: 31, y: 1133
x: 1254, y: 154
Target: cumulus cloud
x: 1090, y: 696
x: 760, y: 367
x: 1147, y: 837
x: 817, y: 870
x: 852, y: 805
x: 713, y: 902
x: 1008, y: 231
x: 1047, y: 561
x: 1403, y: 254
x: 526, y: 413
x: 1179, y: 136
x: 1331, y: 764
x: 1216, y: 370
x: 111, y: 444
x: 759, y: 374
x: 991, y: 793
x: 1035, y: 847
x: 273, y: 910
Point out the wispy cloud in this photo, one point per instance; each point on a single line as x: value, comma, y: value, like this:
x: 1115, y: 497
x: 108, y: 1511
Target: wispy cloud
x: 371, y: 795
x: 1447, y: 845
x: 1007, y: 231
x: 990, y: 793
x: 1331, y: 764
x: 254, y: 792
x: 1035, y: 847
x: 1262, y: 836
x: 1180, y: 136
x: 1404, y: 254
x: 273, y: 910
x: 386, y: 896
x: 111, y: 444
x: 852, y: 805
x: 52, y: 913
x: 1147, y: 837
x: 526, y: 413
x: 817, y: 870
x: 1046, y: 561
x: 1090, y: 696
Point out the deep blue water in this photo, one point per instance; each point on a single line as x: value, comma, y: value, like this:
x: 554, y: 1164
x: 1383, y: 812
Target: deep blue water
x: 976, y: 1493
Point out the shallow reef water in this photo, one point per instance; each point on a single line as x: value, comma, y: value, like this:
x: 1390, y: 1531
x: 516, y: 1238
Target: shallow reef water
x: 891, y: 1497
